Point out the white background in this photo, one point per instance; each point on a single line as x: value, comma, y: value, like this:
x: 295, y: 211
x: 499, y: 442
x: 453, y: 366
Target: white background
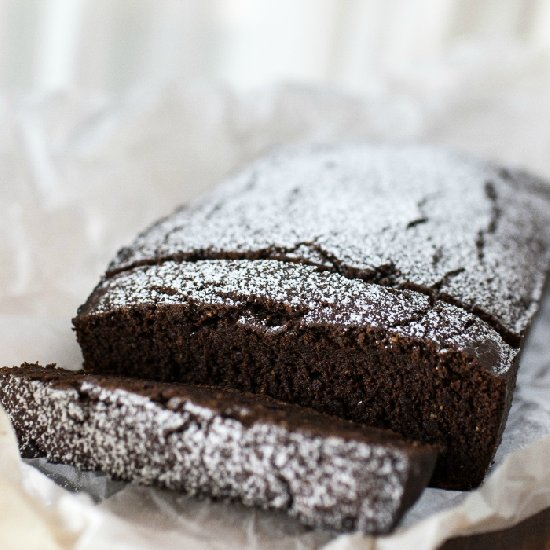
x: 115, y: 45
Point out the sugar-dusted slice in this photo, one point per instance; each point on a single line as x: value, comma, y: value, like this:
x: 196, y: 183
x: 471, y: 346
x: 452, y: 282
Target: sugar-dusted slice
x: 219, y: 443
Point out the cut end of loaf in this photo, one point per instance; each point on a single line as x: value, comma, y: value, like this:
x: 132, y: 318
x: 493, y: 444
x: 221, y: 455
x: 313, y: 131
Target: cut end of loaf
x: 375, y: 356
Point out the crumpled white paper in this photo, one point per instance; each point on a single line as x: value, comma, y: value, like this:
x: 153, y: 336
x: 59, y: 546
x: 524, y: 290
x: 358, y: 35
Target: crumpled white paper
x: 81, y: 174
x: 27, y: 522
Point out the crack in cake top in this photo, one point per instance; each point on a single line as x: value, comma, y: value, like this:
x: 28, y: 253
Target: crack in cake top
x: 446, y: 224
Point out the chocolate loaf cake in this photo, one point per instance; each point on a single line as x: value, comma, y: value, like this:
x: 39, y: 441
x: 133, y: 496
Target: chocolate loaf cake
x: 391, y: 286
x: 221, y: 443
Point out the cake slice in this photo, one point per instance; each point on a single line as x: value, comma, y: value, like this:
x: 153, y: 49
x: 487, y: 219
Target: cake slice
x: 389, y: 285
x: 220, y: 443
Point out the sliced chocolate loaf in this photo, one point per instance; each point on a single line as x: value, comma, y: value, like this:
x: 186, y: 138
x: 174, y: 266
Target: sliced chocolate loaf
x: 392, y: 286
x: 221, y: 443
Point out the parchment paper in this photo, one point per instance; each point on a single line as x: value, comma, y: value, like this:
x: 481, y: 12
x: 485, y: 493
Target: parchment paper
x: 81, y: 173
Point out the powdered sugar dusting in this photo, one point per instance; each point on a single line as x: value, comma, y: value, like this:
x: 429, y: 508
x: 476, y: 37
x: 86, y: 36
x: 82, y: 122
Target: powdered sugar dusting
x: 460, y: 227
x: 304, y: 294
x: 331, y: 481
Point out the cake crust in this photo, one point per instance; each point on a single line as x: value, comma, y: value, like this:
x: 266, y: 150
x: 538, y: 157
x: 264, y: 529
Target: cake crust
x: 446, y: 224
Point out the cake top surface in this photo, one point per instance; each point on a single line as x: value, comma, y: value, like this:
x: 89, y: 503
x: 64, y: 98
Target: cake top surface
x: 274, y: 296
x: 448, y: 225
